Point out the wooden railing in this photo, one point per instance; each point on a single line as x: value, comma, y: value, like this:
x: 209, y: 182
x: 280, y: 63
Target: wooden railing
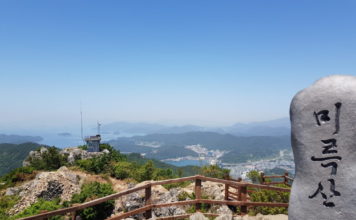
x: 285, y: 179
x: 238, y: 198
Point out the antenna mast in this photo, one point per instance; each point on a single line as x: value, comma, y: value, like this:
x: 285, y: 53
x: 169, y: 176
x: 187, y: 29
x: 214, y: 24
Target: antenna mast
x: 98, y: 127
x: 81, y: 122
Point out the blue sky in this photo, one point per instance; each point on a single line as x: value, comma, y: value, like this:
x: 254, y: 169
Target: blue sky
x: 170, y: 61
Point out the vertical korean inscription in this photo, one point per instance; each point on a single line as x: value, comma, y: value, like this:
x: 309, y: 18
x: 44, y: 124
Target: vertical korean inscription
x: 329, y: 158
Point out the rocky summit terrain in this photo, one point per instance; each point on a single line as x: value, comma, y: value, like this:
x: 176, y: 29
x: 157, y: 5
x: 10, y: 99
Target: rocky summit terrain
x: 53, y: 178
x: 64, y: 182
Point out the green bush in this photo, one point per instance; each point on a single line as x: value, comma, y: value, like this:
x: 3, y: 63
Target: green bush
x: 20, y: 174
x: 192, y: 209
x: 255, y: 176
x: 182, y: 196
x: 269, y: 196
x: 96, y: 165
x: 115, y: 155
x: 124, y: 169
x: 146, y: 172
x: 40, y: 206
x: 103, y: 163
x: 92, y: 191
x: 50, y: 160
x: 161, y: 174
x: 6, y: 203
x: 215, y: 171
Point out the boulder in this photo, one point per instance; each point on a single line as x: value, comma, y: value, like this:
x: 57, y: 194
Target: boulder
x: 198, y: 216
x: 323, y: 120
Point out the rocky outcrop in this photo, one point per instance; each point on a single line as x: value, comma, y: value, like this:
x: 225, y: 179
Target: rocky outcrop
x: 75, y: 153
x: 168, y: 197
x: 198, y: 216
x: 47, y: 185
x: 72, y: 154
x: 159, y: 195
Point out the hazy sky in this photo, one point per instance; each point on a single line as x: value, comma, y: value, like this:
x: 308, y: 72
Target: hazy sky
x: 170, y: 61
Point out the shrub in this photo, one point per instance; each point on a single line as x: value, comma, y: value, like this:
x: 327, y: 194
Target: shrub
x: 103, y: 163
x: 161, y: 174
x: 50, y: 160
x: 41, y: 205
x: 123, y: 170
x: 255, y: 176
x: 176, y: 185
x: 146, y: 172
x: 269, y: 196
x: 20, y: 174
x: 92, y: 191
x: 182, y: 196
x: 115, y: 155
x: 215, y: 171
x: 96, y: 165
x: 6, y: 203
x: 191, y: 209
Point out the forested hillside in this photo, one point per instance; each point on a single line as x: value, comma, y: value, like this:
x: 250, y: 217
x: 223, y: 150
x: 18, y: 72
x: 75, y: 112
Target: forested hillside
x: 12, y: 155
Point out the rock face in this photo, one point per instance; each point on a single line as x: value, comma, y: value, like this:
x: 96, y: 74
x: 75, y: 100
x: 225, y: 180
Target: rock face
x: 75, y: 153
x: 170, y: 196
x: 323, y: 120
x: 72, y: 153
x: 47, y: 185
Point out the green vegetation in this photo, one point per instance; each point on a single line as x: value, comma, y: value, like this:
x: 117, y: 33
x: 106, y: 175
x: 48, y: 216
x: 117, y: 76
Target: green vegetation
x: 119, y: 166
x: 92, y: 191
x: 255, y: 176
x: 180, y: 171
x: 191, y: 209
x: 267, y: 196
x: 50, y: 160
x: 12, y: 155
x: 18, y: 175
x: 40, y: 206
x: 6, y: 203
x: 108, y: 164
x: 215, y: 171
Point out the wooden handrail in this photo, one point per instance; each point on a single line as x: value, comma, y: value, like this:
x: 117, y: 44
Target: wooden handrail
x: 285, y: 178
x: 147, y: 208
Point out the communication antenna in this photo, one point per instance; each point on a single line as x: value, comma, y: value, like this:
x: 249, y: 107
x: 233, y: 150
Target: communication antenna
x: 98, y: 127
x: 81, y: 122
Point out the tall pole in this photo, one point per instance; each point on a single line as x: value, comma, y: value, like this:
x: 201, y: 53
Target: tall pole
x: 81, y: 122
x: 98, y: 127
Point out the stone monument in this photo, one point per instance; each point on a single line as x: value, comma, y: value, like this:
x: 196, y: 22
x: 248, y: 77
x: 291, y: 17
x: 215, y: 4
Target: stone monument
x: 323, y: 119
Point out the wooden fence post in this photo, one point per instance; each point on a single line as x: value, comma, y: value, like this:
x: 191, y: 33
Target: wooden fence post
x: 226, y: 191
x: 73, y: 215
x: 148, y: 201
x: 286, y: 179
x: 263, y: 178
x: 243, y: 198
x: 197, y: 192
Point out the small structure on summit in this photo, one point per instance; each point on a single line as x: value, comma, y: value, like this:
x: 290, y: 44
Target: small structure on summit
x: 93, y: 142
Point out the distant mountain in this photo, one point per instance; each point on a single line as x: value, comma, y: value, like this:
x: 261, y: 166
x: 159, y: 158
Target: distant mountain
x: 166, y: 146
x: 12, y: 155
x: 18, y: 139
x: 278, y: 127
x: 123, y: 128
